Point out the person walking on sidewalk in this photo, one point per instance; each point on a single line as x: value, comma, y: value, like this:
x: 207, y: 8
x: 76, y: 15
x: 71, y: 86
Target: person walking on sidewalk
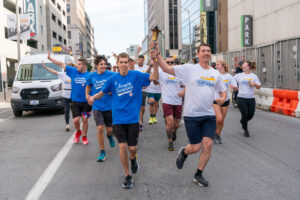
x: 145, y: 69
x: 247, y: 81
x: 79, y: 106
x: 66, y: 93
x: 101, y: 108
x: 201, y: 81
x: 221, y: 110
x: 154, y: 95
x: 126, y: 88
x: 172, y: 90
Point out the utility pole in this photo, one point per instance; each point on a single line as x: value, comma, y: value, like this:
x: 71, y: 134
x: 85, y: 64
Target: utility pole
x: 18, y: 30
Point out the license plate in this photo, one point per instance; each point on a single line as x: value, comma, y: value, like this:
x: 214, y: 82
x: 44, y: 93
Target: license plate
x: 34, y: 102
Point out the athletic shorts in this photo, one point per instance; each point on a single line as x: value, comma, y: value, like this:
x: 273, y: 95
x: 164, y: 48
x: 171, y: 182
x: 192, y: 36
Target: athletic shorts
x: 144, y: 98
x: 155, y: 96
x: 199, y: 127
x: 81, y: 109
x: 225, y: 104
x: 174, y: 110
x: 127, y: 133
x: 103, y: 118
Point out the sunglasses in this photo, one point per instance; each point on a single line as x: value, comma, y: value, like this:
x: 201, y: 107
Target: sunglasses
x: 170, y: 62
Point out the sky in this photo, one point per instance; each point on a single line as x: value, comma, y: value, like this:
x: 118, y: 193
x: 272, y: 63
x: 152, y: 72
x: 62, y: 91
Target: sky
x: 117, y: 24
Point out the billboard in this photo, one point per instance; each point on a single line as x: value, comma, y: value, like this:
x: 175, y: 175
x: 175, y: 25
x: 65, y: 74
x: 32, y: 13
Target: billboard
x: 246, y: 31
x: 30, y: 9
x: 12, y: 27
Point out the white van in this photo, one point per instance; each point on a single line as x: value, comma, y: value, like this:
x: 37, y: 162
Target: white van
x: 34, y: 87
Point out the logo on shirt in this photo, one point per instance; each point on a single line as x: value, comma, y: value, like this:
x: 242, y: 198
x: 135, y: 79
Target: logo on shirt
x: 206, y: 81
x: 246, y: 81
x: 79, y: 80
x: 122, y: 89
x: 99, y: 84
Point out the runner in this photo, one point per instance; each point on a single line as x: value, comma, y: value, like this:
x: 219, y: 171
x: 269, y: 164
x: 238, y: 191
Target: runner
x: 131, y: 64
x: 221, y: 110
x: 66, y: 93
x: 238, y: 69
x: 142, y: 68
x: 247, y: 81
x: 154, y: 95
x: 79, y: 106
x: 126, y: 88
x: 101, y: 108
x: 200, y: 121
x: 172, y: 93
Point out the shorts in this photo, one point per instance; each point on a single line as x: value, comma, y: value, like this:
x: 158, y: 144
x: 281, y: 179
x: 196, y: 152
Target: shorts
x: 199, y: 127
x: 81, y: 109
x: 127, y: 133
x: 225, y: 104
x: 103, y: 118
x: 174, y: 110
x: 155, y: 96
x: 144, y: 98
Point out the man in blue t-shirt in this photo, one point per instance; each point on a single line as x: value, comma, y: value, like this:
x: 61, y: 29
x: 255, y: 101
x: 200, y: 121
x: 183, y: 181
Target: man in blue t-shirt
x: 79, y: 106
x: 126, y: 88
x: 102, y: 107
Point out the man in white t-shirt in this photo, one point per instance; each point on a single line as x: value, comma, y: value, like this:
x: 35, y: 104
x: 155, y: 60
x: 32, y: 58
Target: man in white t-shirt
x: 201, y: 81
x: 145, y: 69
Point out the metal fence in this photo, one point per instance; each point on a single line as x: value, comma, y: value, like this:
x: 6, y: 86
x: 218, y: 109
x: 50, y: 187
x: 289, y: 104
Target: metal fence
x: 277, y: 64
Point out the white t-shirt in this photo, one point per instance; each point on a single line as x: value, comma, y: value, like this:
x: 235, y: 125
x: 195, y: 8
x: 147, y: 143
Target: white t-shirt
x: 153, y: 88
x: 200, y: 89
x: 245, y: 91
x: 228, y: 80
x: 66, y: 84
x: 141, y: 69
x: 170, y: 86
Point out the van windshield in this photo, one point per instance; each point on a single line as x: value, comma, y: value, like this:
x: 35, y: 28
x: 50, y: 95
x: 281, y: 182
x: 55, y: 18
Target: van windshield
x: 30, y: 72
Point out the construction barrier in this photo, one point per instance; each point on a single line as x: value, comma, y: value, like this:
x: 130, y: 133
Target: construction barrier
x: 264, y: 98
x: 285, y: 102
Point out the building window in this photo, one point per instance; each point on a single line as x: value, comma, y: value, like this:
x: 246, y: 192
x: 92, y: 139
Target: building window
x: 42, y: 29
x: 41, y: 10
x: 64, y: 27
x: 59, y: 23
x: 68, y: 8
x: 10, y: 6
x: 69, y: 20
x: 64, y: 13
x: 32, y: 43
x: 5, y: 32
x: 53, y: 1
x: 43, y: 49
x: 60, y: 38
x: 53, y: 17
x: 65, y: 42
x: 58, y: 7
x: 69, y: 35
x: 54, y: 35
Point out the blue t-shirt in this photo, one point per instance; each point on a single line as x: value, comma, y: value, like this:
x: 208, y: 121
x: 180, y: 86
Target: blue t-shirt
x: 78, y: 82
x: 97, y: 81
x: 126, y: 96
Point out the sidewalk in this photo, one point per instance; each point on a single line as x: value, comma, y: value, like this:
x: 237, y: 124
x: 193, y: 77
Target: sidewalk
x: 5, y: 104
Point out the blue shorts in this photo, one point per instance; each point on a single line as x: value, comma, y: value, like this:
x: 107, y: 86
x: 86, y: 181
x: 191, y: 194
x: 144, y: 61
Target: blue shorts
x: 199, y: 127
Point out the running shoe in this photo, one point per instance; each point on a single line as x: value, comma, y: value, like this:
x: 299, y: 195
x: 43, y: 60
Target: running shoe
x: 219, y: 139
x: 111, y: 141
x: 171, y: 146
x: 128, y: 183
x: 134, y: 166
x: 200, y: 180
x: 151, y: 121
x: 102, y: 156
x: 246, y: 133
x: 77, y: 137
x: 154, y: 120
x: 174, y: 136
x: 84, y: 140
x: 141, y: 128
x: 180, y: 158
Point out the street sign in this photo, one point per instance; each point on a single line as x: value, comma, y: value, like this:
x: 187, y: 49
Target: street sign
x: 56, y: 49
x: 30, y: 8
x: 246, y: 31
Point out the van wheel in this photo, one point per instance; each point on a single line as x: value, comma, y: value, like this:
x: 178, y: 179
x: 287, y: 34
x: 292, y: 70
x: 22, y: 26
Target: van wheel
x: 18, y: 113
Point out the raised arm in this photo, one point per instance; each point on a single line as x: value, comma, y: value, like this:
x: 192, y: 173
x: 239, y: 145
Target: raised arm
x: 49, y: 69
x: 154, y: 76
x: 57, y: 62
x: 161, y: 62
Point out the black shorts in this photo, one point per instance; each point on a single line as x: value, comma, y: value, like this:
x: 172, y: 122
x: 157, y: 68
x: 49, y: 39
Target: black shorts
x: 103, y: 118
x: 225, y: 104
x: 144, y: 98
x: 81, y: 109
x: 127, y: 133
x: 199, y: 127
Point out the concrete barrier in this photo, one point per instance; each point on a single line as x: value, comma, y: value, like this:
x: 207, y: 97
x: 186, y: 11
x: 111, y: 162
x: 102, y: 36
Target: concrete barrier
x: 264, y: 98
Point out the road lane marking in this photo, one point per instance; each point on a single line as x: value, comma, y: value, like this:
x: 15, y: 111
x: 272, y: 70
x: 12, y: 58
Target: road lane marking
x: 45, y: 178
x: 3, y: 120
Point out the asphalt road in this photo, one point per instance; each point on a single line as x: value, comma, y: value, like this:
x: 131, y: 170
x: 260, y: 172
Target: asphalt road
x: 264, y: 166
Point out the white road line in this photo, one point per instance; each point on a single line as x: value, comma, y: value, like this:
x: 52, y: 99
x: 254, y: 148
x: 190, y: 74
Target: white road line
x: 45, y: 178
x: 3, y: 120
x: 4, y: 111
